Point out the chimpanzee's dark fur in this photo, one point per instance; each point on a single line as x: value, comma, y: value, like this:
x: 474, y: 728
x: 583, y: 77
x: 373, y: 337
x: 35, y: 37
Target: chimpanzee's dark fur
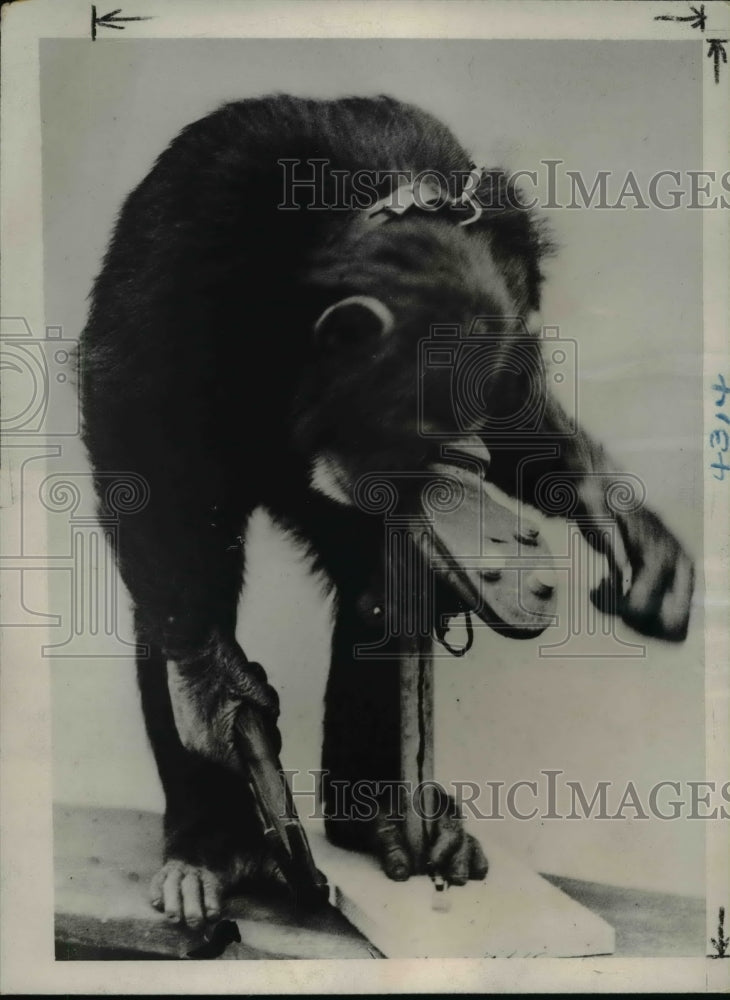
x: 201, y: 373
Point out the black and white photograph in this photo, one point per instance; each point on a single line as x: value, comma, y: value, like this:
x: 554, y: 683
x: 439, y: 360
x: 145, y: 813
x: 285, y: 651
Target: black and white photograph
x: 366, y: 433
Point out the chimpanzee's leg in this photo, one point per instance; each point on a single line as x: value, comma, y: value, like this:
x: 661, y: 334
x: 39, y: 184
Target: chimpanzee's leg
x: 211, y: 835
x: 364, y: 804
x: 361, y: 722
x: 181, y: 557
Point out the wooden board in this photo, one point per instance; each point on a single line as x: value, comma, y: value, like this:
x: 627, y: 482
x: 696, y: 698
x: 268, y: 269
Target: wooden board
x: 513, y: 913
x: 104, y: 856
x: 104, y: 859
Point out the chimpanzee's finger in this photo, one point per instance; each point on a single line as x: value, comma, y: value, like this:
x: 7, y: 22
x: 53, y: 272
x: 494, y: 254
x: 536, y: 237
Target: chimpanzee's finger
x: 172, y: 895
x: 256, y: 670
x: 449, y: 836
x: 191, y: 892
x: 675, y: 609
x: 212, y: 894
x: 156, y: 884
x: 271, y: 872
x: 607, y: 596
x: 641, y: 607
x: 261, y: 694
x: 389, y: 845
x: 456, y: 869
x: 478, y: 864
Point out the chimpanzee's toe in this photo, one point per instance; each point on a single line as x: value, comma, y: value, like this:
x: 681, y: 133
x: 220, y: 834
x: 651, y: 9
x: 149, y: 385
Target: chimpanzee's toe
x: 455, y: 854
x: 187, y: 894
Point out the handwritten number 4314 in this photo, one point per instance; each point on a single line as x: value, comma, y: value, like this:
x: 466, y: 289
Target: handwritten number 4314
x: 720, y: 438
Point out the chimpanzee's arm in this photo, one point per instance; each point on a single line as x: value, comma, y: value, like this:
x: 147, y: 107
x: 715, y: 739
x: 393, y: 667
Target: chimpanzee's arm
x: 657, y: 589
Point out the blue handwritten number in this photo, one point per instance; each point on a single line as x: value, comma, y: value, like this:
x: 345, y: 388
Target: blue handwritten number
x: 723, y: 388
x: 720, y: 438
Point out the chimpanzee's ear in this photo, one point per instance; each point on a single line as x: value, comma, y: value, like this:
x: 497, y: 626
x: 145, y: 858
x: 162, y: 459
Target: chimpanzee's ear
x: 353, y: 321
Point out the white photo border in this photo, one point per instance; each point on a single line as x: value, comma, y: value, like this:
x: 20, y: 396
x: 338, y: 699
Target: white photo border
x: 28, y: 964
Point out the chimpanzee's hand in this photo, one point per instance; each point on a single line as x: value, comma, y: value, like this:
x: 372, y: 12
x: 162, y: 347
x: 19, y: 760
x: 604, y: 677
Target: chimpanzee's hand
x: 207, y: 691
x: 452, y: 853
x: 652, y: 580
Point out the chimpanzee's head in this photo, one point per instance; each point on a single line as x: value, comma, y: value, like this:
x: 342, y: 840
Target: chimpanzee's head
x: 420, y: 332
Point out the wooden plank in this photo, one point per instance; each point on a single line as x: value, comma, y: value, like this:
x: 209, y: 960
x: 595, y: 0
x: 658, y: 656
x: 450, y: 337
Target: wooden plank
x: 104, y: 859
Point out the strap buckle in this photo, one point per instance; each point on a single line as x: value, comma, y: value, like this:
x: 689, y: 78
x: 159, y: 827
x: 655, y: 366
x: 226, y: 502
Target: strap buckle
x: 440, y: 634
x: 403, y: 199
x: 467, y: 199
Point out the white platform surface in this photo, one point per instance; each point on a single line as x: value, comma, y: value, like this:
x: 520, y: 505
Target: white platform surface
x: 512, y: 913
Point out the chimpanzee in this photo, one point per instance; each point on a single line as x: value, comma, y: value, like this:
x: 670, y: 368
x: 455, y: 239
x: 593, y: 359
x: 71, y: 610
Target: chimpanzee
x: 253, y: 340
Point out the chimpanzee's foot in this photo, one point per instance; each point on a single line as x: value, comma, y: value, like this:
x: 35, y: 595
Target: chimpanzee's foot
x: 213, y: 842
x: 192, y: 894
x: 189, y: 894
x: 452, y: 853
